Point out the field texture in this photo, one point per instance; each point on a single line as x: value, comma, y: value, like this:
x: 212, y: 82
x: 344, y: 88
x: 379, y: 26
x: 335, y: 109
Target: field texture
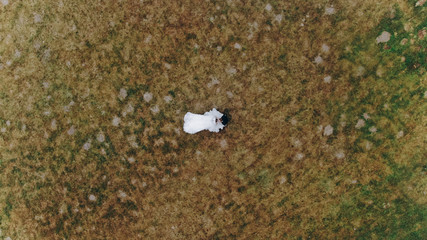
x: 328, y: 130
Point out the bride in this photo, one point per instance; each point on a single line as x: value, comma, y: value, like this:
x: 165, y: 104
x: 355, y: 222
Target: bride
x: 212, y: 121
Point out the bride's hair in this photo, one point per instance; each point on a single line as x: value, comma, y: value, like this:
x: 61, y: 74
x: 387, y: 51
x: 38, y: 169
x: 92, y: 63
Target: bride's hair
x: 224, y: 120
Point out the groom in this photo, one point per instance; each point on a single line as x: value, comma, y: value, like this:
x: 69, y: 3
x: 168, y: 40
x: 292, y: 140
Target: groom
x: 223, y: 120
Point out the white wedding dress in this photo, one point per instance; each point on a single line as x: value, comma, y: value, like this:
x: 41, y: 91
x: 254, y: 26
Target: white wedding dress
x: 194, y: 123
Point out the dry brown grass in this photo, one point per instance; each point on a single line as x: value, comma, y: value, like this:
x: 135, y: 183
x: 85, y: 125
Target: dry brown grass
x: 271, y: 174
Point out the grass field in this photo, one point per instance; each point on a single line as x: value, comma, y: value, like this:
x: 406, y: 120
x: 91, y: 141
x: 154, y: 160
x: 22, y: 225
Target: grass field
x: 327, y: 138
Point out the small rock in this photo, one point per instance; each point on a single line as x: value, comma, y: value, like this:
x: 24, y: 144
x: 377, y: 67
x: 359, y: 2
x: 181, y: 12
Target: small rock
x: 214, y: 81
x: 360, y: 71
x: 325, y: 48
x: 328, y: 130
x: 318, y: 60
x: 168, y: 66
x: 148, y: 39
x: 384, y: 37
x: 122, y: 194
x: 123, y: 94
x: 360, y: 123
x: 296, y: 143
x: 231, y: 70
x: 17, y: 53
x: 368, y: 145
x: 37, y: 18
x: 340, y: 154
x: 420, y: 3
x: 366, y: 116
x: 167, y: 99
x: 86, y: 146
x: 329, y: 10
x: 299, y: 156
x: 223, y: 143
x: 148, y: 96
x: 100, y: 137
x: 155, y: 109
x: 373, y: 129
x: 229, y: 94
x: 116, y: 121
x: 71, y: 130
x: 53, y: 124
x: 128, y: 109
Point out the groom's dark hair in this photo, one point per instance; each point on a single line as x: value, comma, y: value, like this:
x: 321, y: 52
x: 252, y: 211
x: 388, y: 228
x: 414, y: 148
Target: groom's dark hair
x: 224, y: 119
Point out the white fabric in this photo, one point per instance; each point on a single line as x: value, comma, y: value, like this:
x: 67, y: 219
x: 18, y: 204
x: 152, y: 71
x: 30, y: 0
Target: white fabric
x: 194, y: 123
